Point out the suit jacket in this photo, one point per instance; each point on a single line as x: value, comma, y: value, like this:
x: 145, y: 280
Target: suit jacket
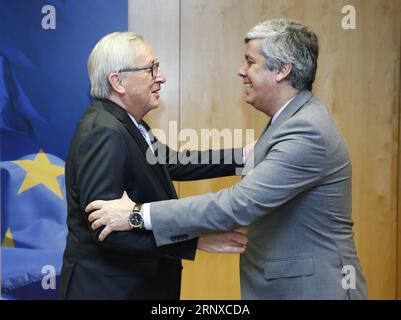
x: 106, y: 157
x: 297, y: 201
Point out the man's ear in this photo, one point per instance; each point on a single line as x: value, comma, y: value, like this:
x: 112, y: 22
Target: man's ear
x: 116, y: 83
x: 284, y: 71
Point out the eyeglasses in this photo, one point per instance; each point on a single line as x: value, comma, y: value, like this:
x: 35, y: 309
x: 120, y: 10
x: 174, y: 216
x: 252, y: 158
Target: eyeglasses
x: 154, y: 68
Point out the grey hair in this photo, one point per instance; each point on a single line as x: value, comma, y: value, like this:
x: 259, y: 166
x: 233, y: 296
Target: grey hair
x: 285, y: 41
x: 115, y: 51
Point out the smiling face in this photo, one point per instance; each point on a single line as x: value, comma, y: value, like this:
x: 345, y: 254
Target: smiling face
x: 260, y: 84
x: 142, y: 91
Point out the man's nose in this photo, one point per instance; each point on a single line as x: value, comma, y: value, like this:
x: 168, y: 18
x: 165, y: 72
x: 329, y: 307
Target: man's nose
x: 242, y: 71
x: 160, y: 77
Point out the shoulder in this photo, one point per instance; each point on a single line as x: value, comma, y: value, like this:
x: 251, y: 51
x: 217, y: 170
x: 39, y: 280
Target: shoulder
x: 97, y: 126
x: 314, y: 129
x: 313, y: 119
x: 305, y: 129
x: 97, y: 116
x: 97, y: 121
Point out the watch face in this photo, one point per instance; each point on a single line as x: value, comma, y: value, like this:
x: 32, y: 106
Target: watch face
x: 136, y: 219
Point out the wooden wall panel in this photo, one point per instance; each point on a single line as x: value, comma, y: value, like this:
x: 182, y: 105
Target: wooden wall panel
x: 211, y: 53
x: 158, y: 22
x: 200, y: 44
x: 359, y: 79
x: 349, y: 64
x: 399, y: 182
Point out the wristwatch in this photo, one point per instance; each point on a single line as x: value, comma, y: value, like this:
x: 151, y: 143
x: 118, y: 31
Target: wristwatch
x: 135, y: 219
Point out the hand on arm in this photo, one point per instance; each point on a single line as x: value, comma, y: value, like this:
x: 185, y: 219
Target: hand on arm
x: 227, y: 242
x: 113, y: 214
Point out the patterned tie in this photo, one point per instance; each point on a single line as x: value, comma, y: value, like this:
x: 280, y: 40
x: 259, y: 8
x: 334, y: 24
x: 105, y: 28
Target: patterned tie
x: 145, y: 134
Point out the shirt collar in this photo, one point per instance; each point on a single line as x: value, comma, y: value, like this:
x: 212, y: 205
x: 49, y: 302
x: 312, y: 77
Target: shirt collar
x: 133, y: 120
x: 281, y: 109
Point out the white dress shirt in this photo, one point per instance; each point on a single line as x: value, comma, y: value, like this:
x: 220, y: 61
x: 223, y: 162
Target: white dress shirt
x: 146, y: 206
x: 281, y: 110
x: 143, y: 131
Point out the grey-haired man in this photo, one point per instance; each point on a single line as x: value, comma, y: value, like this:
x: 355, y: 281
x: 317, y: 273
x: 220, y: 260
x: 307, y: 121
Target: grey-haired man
x: 109, y: 154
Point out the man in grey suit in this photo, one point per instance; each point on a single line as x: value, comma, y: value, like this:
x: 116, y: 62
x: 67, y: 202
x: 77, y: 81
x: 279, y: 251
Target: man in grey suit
x: 296, y: 199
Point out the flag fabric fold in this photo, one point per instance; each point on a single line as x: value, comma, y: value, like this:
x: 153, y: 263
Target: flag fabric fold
x: 44, y: 89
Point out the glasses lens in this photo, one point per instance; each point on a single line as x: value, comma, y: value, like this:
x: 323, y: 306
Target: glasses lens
x: 155, y: 69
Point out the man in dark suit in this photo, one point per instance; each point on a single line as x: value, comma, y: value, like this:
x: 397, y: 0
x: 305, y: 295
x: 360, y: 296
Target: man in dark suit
x: 109, y: 154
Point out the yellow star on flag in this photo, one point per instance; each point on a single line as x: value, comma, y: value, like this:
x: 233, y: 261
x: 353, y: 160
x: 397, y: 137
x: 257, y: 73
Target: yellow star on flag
x: 41, y: 171
x: 8, y: 241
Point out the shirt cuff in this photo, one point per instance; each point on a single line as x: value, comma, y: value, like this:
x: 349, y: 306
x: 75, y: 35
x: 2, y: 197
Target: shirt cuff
x: 146, y: 216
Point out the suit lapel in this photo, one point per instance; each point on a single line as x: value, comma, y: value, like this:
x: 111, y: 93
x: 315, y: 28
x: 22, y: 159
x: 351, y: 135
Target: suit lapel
x: 299, y: 100
x: 157, y: 169
x: 260, y: 148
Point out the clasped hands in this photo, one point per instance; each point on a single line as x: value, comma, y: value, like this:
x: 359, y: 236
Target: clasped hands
x: 113, y: 215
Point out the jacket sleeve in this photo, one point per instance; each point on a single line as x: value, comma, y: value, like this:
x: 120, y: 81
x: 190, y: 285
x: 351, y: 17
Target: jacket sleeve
x: 100, y: 165
x: 197, y: 165
x: 294, y: 164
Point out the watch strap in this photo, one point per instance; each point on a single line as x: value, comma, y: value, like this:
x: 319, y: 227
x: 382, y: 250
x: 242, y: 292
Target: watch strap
x: 138, y: 207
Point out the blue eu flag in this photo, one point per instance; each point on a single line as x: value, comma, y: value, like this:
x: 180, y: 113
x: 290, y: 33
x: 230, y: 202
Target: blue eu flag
x: 44, y: 89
